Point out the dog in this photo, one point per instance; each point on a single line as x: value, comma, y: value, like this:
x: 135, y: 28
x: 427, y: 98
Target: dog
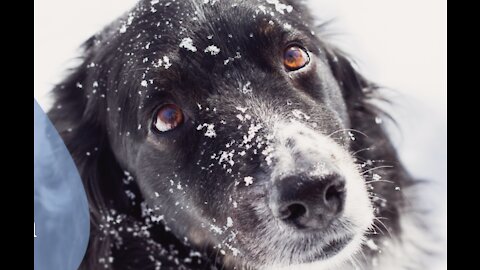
x: 231, y: 135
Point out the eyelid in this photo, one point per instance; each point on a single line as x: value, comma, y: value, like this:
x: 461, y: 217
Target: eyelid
x: 296, y: 38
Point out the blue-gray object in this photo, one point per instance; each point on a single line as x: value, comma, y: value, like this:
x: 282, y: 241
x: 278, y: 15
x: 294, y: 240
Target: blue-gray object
x: 61, y: 216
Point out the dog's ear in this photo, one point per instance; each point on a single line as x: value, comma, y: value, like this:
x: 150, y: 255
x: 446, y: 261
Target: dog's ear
x: 362, y: 99
x: 354, y: 85
x: 79, y: 115
x: 356, y: 89
x: 78, y: 119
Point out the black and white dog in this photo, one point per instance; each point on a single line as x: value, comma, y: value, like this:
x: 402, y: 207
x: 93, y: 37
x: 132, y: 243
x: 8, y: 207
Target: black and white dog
x: 217, y: 134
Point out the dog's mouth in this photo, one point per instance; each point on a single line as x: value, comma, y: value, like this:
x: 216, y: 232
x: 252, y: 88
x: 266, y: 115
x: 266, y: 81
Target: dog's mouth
x: 308, y: 250
x: 328, y: 250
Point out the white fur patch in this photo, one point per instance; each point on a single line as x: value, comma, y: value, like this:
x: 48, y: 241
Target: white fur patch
x: 358, y: 212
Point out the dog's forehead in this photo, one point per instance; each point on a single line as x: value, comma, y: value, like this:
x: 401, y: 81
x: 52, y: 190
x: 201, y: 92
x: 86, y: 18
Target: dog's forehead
x: 192, y: 23
x: 162, y: 42
x: 166, y: 32
x: 207, y: 10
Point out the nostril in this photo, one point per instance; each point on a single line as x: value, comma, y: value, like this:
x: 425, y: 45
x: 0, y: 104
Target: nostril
x: 334, y: 195
x: 293, y: 212
x: 306, y: 202
x: 297, y: 211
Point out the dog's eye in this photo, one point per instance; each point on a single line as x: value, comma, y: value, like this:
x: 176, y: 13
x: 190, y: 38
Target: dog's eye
x: 168, y: 117
x: 295, y: 58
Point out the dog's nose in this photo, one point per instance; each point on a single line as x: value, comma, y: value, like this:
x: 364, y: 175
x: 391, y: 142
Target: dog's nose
x: 306, y: 202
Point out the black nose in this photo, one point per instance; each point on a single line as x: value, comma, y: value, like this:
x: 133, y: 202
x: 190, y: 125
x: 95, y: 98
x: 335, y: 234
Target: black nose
x: 306, y: 202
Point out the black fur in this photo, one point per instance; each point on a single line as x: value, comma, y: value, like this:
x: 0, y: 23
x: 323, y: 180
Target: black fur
x: 103, y: 112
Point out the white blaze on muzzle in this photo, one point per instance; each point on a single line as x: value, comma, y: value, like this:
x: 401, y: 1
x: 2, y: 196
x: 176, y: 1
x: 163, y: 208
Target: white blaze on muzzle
x: 296, y: 149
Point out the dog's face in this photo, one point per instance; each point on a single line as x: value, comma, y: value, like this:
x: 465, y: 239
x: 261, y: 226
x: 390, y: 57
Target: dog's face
x: 229, y: 116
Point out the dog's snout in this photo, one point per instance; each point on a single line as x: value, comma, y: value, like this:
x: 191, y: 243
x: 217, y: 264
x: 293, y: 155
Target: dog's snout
x: 308, y: 202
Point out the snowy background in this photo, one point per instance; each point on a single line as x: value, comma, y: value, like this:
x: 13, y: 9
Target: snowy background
x: 399, y: 44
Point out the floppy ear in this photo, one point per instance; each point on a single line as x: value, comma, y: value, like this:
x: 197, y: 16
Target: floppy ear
x: 372, y: 145
x: 77, y: 119
x: 353, y: 84
x: 362, y: 97
x: 79, y: 115
x: 356, y: 89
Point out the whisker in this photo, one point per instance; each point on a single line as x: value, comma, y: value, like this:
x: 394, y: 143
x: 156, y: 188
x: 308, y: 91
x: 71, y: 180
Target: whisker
x: 361, y: 150
x: 347, y: 129
x: 375, y: 181
x: 378, y: 228
x: 363, y: 256
x: 356, y: 263
x: 374, y: 196
x: 377, y: 168
x: 383, y: 224
x: 353, y: 262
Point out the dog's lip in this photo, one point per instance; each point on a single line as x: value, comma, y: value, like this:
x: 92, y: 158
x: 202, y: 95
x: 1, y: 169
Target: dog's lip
x: 329, y: 249
x: 335, y: 246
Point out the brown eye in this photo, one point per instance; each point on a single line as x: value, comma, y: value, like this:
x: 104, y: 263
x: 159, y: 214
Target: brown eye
x: 295, y: 58
x: 168, y: 117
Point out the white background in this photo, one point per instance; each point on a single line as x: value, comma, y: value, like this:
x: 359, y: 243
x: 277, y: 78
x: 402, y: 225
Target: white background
x: 399, y: 44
